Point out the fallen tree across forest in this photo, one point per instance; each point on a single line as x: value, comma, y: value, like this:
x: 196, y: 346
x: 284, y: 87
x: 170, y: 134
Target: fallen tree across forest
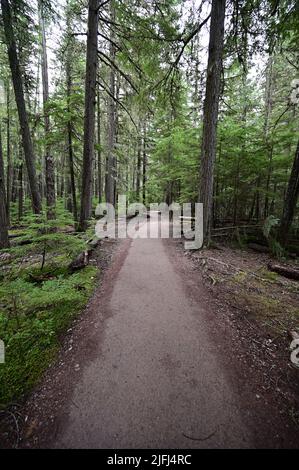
x: 286, y: 271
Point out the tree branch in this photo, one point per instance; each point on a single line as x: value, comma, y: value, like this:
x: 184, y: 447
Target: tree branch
x: 124, y: 75
x: 105, y: 88
x: 186, y: 41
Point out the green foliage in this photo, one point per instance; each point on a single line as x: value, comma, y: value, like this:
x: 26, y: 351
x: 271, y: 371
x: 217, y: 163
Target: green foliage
x: 38, y: 300
x: 275, y: 247
x: 269, y: 223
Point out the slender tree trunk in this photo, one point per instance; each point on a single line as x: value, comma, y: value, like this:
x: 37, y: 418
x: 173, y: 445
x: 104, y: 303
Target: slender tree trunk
x: 241, y: 155
x: 116, y: 137
x: 100, y: 195
x: 216, y: 215
x: 110, y: 171
x: 20, y: 186
x: 14, y: 192
x: 257, y: 199
x: 9, y: 173
x: 89, y: 119
x: 4, y: 241
x: 272, y: 205
x: 210, y: 114
x: 290, y: 200
x: 236, y: 187
x: 138, y: 173
x: 62, y: 184
x: 20, y: 101
x: 49, y: 162
x: 69, y: 86
x: 144, y: 165
x: 251, y: 212
x: 268, y: 144
x: 268, y: 181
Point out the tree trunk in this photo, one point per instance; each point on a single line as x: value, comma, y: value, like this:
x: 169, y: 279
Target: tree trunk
x: 268, y: 144
x: 20, y: 184
x: 110, y: 171
x: 138, y: 174
x: 4, y: 242
x: 9, y: 172
x: 20, y: 101
x: 116, y: 136
x: 257, y: 212
x: 69, y: 124
x: 89, y: 119
x: 144, y: 165
x: 49, y: 162
x: 99, y: 149
x: 290, y: 200
x: 210, y: 114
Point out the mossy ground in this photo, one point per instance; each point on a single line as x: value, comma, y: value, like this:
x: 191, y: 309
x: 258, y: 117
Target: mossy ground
x: 38, y: 298
x: 267, y: 298
x: 261, y: 296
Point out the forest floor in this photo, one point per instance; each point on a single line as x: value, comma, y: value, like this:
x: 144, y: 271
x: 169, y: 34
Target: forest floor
x: 171, y: 353
x: 259, y: 309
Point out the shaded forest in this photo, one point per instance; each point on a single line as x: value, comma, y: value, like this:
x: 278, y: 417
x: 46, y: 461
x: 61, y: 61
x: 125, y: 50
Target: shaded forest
x: 130, y: 105
x: 163, y: 101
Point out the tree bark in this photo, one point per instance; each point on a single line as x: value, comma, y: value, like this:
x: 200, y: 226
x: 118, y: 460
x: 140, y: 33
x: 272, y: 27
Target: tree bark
x: 290, y: 200
x: 9, y: 173
x: 49, y: 162
x: 138, y: 173
x: 20, y: 192
x: 210, y: 113
x: 20, y: 185
x: 89, y: 119
x: 110, y: 170
x: 4, y: 242
x: 20, y: 101
x: 99, y: 148
x: 268, y: 142
x: 144, y: 165
x: 69, y: 86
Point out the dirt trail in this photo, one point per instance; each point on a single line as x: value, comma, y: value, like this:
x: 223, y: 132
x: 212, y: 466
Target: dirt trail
x: 157, y: 377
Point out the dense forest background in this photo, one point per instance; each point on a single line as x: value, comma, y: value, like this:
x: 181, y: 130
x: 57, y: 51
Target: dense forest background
x: 126, y: 115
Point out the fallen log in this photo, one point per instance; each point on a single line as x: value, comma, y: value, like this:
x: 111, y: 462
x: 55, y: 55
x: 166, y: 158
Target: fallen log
x: 24, y: 242
x: 82, y: 260
x: 258, y: 248
x: 286, y: 271
x: 235, y: 227
x: 16, y: 235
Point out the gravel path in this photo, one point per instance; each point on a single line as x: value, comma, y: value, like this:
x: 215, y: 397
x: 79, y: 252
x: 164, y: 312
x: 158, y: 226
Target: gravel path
x: 157, y: 381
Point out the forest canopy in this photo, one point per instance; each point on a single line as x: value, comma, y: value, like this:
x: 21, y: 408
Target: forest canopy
x: 161, y: 101
x: 164, y: 101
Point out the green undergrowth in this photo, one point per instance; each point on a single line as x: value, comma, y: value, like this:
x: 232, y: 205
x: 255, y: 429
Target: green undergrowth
x: 39, y: 297
x: 269, y: 303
